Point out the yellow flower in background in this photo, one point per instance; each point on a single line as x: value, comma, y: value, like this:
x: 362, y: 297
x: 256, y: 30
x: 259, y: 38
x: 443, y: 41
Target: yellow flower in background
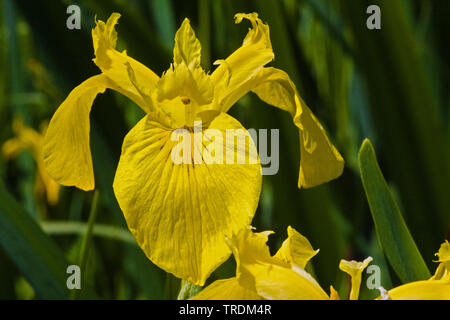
x: 180, y: 214
x: 28, y: 139
x: 283, y: 277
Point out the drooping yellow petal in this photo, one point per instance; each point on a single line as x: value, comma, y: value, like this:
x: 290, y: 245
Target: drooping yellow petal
x: 296, y: 249
x: 226, y: 289
x: 443, y: 269
x: 113, y: 63
x: 421, y: 290
x: 181, y: 213
x: 66, y: 150
x: 355, y: 270
x: 271, y: 277
x: 232, y: 75
x: 320, y: 162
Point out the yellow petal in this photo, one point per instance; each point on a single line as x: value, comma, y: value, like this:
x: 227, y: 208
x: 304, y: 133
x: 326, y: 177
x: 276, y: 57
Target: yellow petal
x: 334, y: 295
x: 271, y: 277
x: 66, y: 150
x: 227, y: 289
x: 184, y: 89
x: 296, y: 249
x: 443, y: 269
x: 444, y: 252
x: 114, y: 63
x: 181, y: 213
x: 181, y: 81
x: 52, y: 188
x: 187, y: 47
x: 320, y: 162
x: 422, y: 290
x: 355, y: 270
x: 233, y: 73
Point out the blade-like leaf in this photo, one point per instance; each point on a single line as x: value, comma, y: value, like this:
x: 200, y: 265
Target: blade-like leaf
x: 395, y: 238
x: 35, y: 254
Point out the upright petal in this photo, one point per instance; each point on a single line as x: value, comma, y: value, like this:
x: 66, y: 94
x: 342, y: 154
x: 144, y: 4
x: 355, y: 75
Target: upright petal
x: 233, y: 73
x: 180, y: 213
x: 320, y: 162
x: 187, y: 47
x: 355, y: 270
x: 66, y: 150
x: 114, y: 63
x: 227, y: 289
x: 296, y: 249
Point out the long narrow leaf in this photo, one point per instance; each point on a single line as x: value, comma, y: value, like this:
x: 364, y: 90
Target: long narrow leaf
x: 395, y: 238
x: 38, y: 258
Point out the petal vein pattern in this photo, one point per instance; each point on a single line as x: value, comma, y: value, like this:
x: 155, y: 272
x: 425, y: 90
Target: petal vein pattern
x: 181, y: 214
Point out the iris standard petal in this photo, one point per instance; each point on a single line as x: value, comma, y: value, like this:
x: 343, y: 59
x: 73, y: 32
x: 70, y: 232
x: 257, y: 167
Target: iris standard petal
x: 320, y: 162
x: 184, y: 89
x: 187, y: 47
x: 66, y: 150
x: 114, y: 64
x: 233, y: 73
x: 181, y: 213
x: 226, y: 289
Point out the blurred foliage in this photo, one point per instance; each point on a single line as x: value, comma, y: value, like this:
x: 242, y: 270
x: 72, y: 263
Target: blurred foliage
x: 390, y: 85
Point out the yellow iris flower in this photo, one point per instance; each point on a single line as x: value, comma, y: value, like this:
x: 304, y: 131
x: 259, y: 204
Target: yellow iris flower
x: 28, y: 139
x: 283, y: 277
x: 436, y: 288
x: 181, y: 213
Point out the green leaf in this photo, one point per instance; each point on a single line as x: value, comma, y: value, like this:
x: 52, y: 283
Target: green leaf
x: 86, y: 243
x: 395, y: 238
x: 38, y: 258
x: 395, y: 67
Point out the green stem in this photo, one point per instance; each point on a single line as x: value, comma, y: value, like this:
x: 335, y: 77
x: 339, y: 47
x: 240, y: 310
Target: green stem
x: 83, y: 255
x: 188, y: 290
x: 56, y: 228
